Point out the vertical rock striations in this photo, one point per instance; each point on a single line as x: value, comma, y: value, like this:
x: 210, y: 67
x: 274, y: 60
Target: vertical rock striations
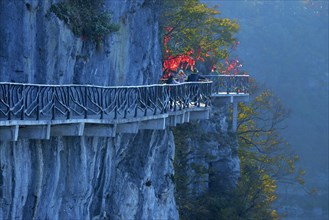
x: 127, y: 177
x: 37, y: 47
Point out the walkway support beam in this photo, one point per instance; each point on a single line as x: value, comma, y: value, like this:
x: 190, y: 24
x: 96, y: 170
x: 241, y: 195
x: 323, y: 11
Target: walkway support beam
x: 234, y: 116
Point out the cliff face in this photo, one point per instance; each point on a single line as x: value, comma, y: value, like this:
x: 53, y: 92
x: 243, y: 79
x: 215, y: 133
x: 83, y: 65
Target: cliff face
x: 40, y: 48
x: 127, y: 177
x: 206, y: 158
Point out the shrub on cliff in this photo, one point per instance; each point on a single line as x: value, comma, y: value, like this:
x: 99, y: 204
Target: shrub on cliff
x: 86, y: 19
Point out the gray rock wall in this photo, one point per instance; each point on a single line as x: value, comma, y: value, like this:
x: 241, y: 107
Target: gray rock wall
x: 207, y: 154
x: 127, y: 177
x: 40, y: 48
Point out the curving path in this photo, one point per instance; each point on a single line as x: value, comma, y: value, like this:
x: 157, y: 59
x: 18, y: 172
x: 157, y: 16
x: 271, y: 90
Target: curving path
x: 40, y: 111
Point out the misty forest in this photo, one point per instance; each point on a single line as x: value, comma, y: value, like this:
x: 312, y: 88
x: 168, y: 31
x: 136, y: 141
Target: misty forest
x: 163, y: 109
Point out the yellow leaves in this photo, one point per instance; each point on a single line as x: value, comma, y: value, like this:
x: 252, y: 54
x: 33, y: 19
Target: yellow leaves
x: 258, y: 99
x: 274, y: 214
x: 271, y: 199
x: 302, y: 172
x: 266, y: 156
x: 225, y: 22
x: 242, y: 116
x: 269, y: 186
x: 265, y: 177
x: 245, y: 112
x: 198, y: 27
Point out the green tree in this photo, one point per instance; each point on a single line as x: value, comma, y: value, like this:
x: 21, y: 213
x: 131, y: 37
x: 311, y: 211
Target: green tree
x: 265, y: 159
x: 86, y: 19
x: 194, y: 30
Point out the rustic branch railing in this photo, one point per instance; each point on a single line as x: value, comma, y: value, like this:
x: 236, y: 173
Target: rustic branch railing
x: 229, y: 83
x: 50, y: 102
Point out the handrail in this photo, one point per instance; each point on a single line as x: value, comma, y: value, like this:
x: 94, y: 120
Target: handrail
x: 229, y: 83
x: 20, y: 101
x: 88, y: 85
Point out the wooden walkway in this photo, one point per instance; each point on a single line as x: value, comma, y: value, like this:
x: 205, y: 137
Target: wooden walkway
x: 42, y: 111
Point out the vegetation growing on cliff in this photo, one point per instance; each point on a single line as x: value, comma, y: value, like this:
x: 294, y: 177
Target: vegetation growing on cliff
x: 192, y: 33
x: 86, y: 19
x: 265, y: 159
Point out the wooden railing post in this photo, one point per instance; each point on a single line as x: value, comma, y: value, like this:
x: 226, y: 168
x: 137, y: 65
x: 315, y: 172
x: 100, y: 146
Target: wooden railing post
x: 136, y: 102
x: 38, y: 103
x: 23, y: 102
x: 145, y: 100
x: 68, y: 114
x: 128, y: 102
x: 116, y: 96
x: 101, y: 104
x: 155, y: 99
x: 9, y: 102
x: 53, y: 103
x: 85, y: 98
x: 175, y: 97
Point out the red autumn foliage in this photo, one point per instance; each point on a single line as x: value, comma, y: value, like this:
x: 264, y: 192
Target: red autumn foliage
x: 180, y: 61
x: 183, y: 61
x: 230, y: 66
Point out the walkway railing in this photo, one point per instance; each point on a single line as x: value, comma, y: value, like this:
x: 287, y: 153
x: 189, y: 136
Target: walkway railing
x: 50, y: 102
x: 229, y: 83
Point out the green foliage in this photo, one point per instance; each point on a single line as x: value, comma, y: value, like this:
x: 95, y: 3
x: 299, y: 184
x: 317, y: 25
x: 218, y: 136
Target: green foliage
x: 86, y: 19
x: 265, y: 160
x: 193, y: 26
x: 265, y: 157
x: 191, y: 171
x: 259, y: 139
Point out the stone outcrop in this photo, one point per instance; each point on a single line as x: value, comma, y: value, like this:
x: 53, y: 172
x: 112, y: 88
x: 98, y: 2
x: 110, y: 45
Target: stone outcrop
x: 37, y: 47
x: 207, y: 154
x: 127, y: 177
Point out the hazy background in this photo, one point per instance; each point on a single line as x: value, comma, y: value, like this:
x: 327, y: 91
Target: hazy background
x: 284, y: 44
